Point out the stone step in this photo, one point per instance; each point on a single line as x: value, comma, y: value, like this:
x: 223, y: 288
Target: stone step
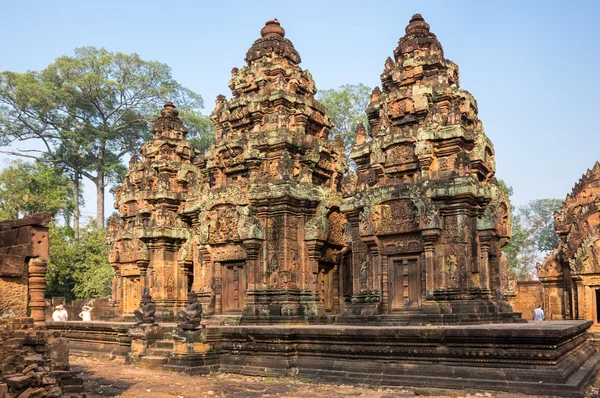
x: 163, y: 344
x: 151, y: 360
x: 159, y: 352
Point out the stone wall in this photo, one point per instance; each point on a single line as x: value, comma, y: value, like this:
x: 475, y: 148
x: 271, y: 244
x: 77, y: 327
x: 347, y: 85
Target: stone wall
x: 24, y: 252
x: 103, y: 309
x: 530, y: 294
x: 34, y: 362
x: 13, y: 299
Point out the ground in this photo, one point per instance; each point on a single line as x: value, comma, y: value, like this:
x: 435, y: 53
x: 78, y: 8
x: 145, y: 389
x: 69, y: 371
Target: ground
x: 105, y: 378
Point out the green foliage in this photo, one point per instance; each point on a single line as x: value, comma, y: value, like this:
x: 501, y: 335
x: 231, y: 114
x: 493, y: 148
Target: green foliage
x: 28, y: 188
x: 201, y: 132
x: 347, y: 108
x: 78, y: 268
x: 533, y: 235
x: 89, y: 110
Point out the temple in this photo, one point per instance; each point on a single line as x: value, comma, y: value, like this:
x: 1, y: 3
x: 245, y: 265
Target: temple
x: 427, y: 217
x: 269, y: 227
x: 253, y: 225
x: 266, y: 225
x: 570, y: 275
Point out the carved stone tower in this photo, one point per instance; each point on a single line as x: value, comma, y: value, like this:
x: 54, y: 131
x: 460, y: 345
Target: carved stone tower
x: 151, y: 242
x: 267, y: 221
x: 570, y: 274
x: 427, y: 217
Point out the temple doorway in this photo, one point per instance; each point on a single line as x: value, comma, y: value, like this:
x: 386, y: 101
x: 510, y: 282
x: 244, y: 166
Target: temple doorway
x: 234, y: 287
x: 131, y: 294
x: 325, y: 281
x: 405, y: 284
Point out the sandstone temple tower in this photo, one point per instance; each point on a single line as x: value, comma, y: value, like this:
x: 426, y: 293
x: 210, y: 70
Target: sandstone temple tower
x: 254, y: 224
x: 151, y: 242
x: 266, y: 219
x: 427, y: 217
x: 265, y: 225
x: 570, y: 275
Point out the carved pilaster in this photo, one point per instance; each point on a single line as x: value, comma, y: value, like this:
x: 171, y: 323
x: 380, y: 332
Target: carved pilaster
x: 430, y: 238
x: 218, y: 288
x: 252, y: 247
x: 37, y: 290
x: 314, y: 253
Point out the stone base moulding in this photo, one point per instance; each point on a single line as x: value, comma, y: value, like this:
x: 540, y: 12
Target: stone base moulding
x: 545, y: 358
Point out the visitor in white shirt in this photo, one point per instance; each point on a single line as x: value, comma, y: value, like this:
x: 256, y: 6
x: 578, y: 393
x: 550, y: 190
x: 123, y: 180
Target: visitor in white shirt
x: 86, y: 313
x: 56, y: 313
x: 538, y: 314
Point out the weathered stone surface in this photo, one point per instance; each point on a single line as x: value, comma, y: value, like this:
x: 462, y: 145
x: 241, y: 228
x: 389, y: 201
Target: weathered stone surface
x: 570, y: 275
x: 270, y: 184
x: 529, y: 295
x: 426, y: 217
x: 32, y: 361
x: 23, y: 256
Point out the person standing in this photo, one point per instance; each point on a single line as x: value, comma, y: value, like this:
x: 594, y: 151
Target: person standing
x: 86, y: 313
x: 538, y: 314
x: 56, y: 313
x: 64, y: 315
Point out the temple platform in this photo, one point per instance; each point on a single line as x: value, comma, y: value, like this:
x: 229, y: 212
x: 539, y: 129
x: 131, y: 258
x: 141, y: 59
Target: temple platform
x: 543, y: 358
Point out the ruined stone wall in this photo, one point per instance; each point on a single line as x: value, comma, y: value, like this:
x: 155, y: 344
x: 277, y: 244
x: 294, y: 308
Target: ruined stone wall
x: 530, y: 294
x: 102, y: 308
x: 24, y: 252
x: 13, y: 300
x: 33, y: 362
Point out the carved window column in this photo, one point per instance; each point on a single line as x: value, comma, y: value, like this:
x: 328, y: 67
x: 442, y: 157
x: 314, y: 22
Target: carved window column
x: 314, y: 253
x: 218, y: 288
x: 385, y: 287
x: 37, y: 290
x: 116, y: 286
x: 252, y: 247
x: 482, y: 265
x: 430, y: 238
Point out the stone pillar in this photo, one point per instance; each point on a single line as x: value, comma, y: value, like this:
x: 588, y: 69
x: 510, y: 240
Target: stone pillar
x: 218, y: 288
x: 385, y: 287
x: 252, y: 247
x: 430, y: 237
x: 483, y: 269
x: 314, y: 253
x: 37, y: 290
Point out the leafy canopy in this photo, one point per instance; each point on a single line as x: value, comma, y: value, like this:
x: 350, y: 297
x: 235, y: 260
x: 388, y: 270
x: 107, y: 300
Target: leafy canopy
x: 28, y: 188
x: 89, y: 110
x: 78, y: 268
x: 347, y: 105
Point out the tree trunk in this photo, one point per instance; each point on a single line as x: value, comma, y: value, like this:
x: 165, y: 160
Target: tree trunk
x: 100, y: 199
x: 76, y: 214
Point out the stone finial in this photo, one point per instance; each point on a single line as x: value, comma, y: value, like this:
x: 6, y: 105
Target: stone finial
x: 417, y: 25
x: 376, y: 94
x: 169, y: 110
x: 360, y: 134
x: 272, y: 27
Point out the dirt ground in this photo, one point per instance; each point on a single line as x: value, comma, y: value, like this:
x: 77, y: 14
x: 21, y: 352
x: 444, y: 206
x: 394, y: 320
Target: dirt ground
x: 105, y: 378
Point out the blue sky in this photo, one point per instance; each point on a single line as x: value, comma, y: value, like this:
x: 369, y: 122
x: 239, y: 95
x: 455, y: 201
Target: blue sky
x: 531, y: 65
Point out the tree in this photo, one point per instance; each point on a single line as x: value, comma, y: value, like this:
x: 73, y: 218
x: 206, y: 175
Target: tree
x: 28, y: 188
x: 78, y: 268
x: 533, y: 235
x: 347, y: 106
x: 88, y: 111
